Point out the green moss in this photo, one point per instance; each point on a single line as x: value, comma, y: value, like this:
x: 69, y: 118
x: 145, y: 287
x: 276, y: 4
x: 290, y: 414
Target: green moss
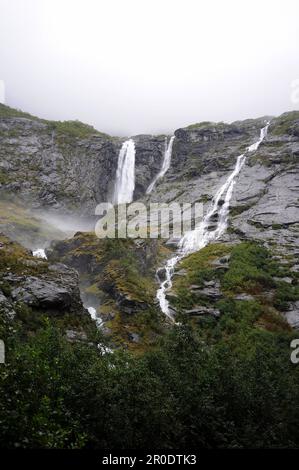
x: 286, y: 123
x: 199, y: 268
x: 70, y: 129
x: 205, y: 124
x: 120, y: 273
x: 236, y: 210
x: 7, y: 112
x: 282, y: 157
x: 75, y: 129
x: 14, y: 258
x: 4, y: 177
x: 284, y: 294
x: 251, y: 269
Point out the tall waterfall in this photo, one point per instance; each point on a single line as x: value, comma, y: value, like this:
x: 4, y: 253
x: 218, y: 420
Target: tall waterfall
x: 195, y: 240
x: 125, y: 174
x: 165, y: 164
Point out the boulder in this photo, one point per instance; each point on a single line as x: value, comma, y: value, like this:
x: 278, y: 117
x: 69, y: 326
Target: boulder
x: 201, y: 310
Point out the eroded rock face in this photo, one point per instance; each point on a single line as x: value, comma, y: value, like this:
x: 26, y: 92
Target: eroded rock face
x: 59, y: 294
x: 72, y: 174
x: 47, y: 167
x: 266, y: 193
x: 54, y: 166
x: 149, y: 156
x: 264, y: 205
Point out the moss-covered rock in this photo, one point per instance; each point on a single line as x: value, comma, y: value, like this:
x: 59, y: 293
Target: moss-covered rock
x: 118, y: 277
x: 250, y: 288
x: 32, y: 289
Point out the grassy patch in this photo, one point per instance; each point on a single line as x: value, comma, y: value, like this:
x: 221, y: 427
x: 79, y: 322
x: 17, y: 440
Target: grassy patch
x: 72, y: 129
x: 75, y: 129
x: 206, y: 124
x: 251, y: 269
x: 7, y: 112
x: 287, y: 123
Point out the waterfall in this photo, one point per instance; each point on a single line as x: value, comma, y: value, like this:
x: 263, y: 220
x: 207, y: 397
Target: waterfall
x: 165, y: 164
x: 39, y: 253
x: 94, y: 316
x: 125, y: 174
x: 195, y: 240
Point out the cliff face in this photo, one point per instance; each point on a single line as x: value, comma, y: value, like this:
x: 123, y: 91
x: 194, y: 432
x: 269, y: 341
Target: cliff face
x: 66, y: 167
x: 31, y: 288
x: 47, y: 166
x: 265, y: 199
x: 69, y: 168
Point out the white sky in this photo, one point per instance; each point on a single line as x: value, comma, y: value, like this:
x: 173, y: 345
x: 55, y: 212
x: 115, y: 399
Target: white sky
x: 142, y: 66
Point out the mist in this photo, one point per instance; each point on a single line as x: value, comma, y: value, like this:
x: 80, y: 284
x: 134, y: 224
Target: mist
x: 132, y: 66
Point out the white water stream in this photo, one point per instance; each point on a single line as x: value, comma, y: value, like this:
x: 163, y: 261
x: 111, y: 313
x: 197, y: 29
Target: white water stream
x: 40, y: 253
x: 195, y: 240
x: 165, y: 164
x: 125, y: 174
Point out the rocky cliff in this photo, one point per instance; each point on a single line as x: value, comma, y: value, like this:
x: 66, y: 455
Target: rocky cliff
x: 66, y: 167
x: 69, y: 167
x: 32, y: 289
x: 265, y: 198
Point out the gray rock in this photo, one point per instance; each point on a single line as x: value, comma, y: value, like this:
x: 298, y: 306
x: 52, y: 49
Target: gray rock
x: 211, y: 291
x: 73, y: 335
x: 35, y: 291
x: 6, y: 307
x: 108, y: 316
x: 201, y: 310
x: 288, y: 280
x: 245, y: 297
x: 292, y: 316
x: 134, y: 337
x: 55, y: 293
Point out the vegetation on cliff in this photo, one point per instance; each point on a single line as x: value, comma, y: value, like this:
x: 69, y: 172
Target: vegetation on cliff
x: 118, y: 276
x: 72, y: 129
x: 218, y: 382
x: 221, y: 376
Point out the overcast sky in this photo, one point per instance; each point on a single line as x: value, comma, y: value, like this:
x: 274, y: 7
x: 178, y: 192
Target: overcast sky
x: 148, y: 66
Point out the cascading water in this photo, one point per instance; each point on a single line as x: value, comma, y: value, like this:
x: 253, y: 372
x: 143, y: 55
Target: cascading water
x: 195, y: 240
x: 165, y: 164
x: 125, y: 174
x: 40, y: 253
x: 94, y: 316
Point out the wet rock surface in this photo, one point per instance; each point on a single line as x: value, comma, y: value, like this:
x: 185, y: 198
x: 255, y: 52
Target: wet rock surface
x: 67, y: 167
x: 53, y: 168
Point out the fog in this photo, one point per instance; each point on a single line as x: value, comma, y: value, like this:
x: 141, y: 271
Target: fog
x: 149, y: 66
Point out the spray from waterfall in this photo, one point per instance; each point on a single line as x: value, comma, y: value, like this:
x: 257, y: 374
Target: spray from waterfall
x: 165, y: 164
x: 125, y: 174
x: 201, y: 236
